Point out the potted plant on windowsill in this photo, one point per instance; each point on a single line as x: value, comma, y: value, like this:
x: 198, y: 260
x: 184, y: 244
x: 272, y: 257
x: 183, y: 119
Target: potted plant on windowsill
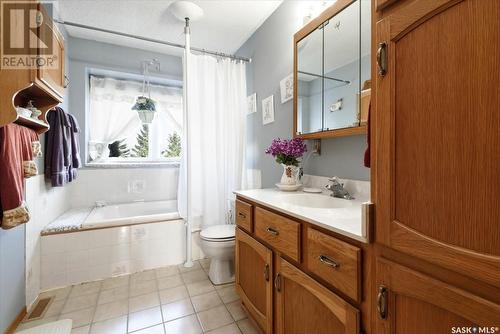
x: 288, y: 154
x: 146, y: 108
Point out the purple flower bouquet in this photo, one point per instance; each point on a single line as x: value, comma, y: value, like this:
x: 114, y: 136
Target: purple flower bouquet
x: 287, y: 152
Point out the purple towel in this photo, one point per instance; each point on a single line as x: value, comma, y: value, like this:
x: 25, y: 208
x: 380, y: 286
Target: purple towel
x: 62, y: 155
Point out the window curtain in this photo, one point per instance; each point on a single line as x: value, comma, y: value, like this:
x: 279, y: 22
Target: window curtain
x: 111, y: 116
x: 217, y: 137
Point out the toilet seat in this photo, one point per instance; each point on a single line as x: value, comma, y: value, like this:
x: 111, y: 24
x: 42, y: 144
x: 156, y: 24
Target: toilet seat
x: 218, y: 233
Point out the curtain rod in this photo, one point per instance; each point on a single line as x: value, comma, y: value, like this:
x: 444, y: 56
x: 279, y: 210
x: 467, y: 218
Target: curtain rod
x: 175, y: 45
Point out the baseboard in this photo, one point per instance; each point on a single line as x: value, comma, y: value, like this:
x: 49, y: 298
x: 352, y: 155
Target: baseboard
x: 13, y: 326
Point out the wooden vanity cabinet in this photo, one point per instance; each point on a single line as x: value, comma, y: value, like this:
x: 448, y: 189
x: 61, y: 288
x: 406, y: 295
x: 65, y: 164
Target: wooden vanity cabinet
x: 254, y: 283
x: 305, y: 306
x: 286, y: 278
x: 435, y: 165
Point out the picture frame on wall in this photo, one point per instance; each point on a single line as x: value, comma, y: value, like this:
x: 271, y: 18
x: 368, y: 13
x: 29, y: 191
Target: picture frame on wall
x: 252, y: 103
x: 268, y: 110
x: 286, y: 88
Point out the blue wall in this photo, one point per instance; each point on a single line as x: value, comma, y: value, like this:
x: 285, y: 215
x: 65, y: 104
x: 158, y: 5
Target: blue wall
x: 271, y: 50
x: 12, y: 269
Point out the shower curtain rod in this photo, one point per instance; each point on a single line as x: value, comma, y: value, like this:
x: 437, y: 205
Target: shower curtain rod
x: 175, y: 45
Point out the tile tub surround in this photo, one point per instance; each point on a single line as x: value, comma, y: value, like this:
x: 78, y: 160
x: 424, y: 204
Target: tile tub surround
x: 166, y: 300
x: 76, y: 257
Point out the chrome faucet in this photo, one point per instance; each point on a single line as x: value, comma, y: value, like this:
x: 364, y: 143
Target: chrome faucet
x: 338, y: 189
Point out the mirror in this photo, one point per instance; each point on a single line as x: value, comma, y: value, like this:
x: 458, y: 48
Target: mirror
x: 333, y: 72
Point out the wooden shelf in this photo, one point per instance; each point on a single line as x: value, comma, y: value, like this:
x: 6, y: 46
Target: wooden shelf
x: 355, y: 131
x: 38, y: 125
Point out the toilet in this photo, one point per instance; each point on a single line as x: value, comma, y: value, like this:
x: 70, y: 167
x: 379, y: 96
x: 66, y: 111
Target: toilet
x: 217, y: 242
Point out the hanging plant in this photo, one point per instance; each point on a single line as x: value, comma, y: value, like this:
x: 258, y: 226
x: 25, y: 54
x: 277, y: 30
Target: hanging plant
x: 144, y: 103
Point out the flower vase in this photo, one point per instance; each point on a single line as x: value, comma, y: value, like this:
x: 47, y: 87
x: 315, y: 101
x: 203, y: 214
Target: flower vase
x: 290, y: 175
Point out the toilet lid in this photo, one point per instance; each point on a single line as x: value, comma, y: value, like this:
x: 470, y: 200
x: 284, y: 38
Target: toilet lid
x: 225, y: 231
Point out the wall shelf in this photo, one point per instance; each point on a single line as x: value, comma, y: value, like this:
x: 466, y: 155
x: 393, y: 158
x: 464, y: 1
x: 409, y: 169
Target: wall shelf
x: 355, y: 131
x: 36, y: 124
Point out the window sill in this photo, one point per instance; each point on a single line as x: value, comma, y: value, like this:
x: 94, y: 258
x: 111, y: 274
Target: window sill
x: 116, y: 165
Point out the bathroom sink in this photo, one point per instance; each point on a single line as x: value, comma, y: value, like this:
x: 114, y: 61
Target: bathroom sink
x: 316, y: 201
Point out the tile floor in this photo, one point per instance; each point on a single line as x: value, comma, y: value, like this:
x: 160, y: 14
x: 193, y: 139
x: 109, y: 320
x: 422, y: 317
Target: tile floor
x: 160, y: 301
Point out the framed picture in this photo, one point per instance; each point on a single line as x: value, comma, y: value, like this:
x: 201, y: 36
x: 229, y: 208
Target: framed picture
x: 252, y: 103
x: 286, y: 88
x: 268, y: 110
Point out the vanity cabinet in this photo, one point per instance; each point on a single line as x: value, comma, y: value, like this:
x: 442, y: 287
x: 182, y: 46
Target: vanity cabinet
x: 305, y: 306
x: 435, y: 165
x: 254, y: 268
x: 295, y: 277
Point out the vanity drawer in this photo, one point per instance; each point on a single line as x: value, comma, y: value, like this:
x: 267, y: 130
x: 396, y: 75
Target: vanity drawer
x: 281, y: 233
x: 335, y: 261
x: 244, y: 215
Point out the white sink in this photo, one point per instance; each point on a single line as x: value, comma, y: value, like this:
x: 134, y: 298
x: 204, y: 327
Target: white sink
x: 318, y: 201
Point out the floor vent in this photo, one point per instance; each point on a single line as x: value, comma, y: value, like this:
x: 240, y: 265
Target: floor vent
x: 38, y: 311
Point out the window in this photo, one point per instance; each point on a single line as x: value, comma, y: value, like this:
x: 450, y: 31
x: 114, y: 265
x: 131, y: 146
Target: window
x: 115, y: 133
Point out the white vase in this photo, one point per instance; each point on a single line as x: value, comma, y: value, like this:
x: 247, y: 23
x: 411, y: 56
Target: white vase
x: 290, y: 174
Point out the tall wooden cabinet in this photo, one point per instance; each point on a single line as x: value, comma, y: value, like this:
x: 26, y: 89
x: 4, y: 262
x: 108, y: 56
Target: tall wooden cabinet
x: 437, y: 150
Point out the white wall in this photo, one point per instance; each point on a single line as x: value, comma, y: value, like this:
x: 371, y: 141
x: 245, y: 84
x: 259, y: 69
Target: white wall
x: 45, y: 204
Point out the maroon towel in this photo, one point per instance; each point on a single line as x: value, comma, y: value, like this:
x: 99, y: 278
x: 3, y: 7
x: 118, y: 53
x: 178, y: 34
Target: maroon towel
x: 15, y: 155
x: 367, y: 152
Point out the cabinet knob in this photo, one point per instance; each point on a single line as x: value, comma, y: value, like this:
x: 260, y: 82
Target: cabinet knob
x: 382, y: 59
x: 382, y: 302
x: 266, y: 272
x: 272, y: 231
x: 328, y: 261
x: 277, y: 282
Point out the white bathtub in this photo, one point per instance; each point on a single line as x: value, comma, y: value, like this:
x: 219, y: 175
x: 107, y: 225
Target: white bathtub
x: 96, y: 243
x: 131, y: 213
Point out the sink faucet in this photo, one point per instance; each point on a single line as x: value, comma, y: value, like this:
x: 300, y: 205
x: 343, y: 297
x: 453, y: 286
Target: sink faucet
x: 338, y: 189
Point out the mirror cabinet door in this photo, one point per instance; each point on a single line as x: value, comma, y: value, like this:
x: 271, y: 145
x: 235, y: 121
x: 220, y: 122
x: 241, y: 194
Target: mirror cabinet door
x: 342, y: 69
x: 333, y: 71
x: 309, y: 83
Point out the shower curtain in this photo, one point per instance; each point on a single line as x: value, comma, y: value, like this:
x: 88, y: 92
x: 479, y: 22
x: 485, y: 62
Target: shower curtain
x: 216, y: 139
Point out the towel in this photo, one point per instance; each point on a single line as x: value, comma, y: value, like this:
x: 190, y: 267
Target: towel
x: 62, y: 152
x: 16, y: 163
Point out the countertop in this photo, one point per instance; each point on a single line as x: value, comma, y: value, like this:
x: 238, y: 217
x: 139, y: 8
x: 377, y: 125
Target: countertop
x: 335, y: 214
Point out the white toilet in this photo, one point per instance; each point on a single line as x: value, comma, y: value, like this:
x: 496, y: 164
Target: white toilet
x: 217, y: 242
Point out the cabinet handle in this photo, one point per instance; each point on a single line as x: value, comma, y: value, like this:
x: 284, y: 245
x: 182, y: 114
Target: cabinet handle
x: 272, y: 231
x: 382, y: 59
x: 266, y: 272
x: 329, y: 262
x: 242, y: 215
x: 277, y: 282
x: 382, y: 302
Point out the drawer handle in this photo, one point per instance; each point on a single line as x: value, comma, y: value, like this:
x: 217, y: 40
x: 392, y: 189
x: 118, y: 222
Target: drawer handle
x: 329, y: 262
x: 242, y: 215
x: 272, y: 231
x: 266, y: 272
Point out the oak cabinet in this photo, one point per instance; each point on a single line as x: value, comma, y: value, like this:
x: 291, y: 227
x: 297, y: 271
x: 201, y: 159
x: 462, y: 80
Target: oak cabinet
x: 305, y: 306
x: 254, y: 279
x: 410, y: 302
x: 437, y: 138
x: 52, y: 75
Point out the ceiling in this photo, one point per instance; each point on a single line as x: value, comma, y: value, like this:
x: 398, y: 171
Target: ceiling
x: 225, y: 26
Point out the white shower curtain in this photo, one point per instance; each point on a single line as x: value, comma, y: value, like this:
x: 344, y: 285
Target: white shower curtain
x: 217, y: 136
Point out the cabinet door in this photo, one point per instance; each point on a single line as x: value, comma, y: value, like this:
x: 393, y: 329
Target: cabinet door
x: 253, y: 279
x: 305, y: 306
x: 438, y: 143
x: 414, y: 303
x: 52, y: 75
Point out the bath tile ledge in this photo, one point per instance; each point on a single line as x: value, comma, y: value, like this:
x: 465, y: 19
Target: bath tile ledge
x: 337, y: 215
x: 71, y: 220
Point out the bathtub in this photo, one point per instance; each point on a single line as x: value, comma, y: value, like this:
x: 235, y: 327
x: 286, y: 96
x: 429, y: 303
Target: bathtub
x: 131, y: 213
x: 88, y: 244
